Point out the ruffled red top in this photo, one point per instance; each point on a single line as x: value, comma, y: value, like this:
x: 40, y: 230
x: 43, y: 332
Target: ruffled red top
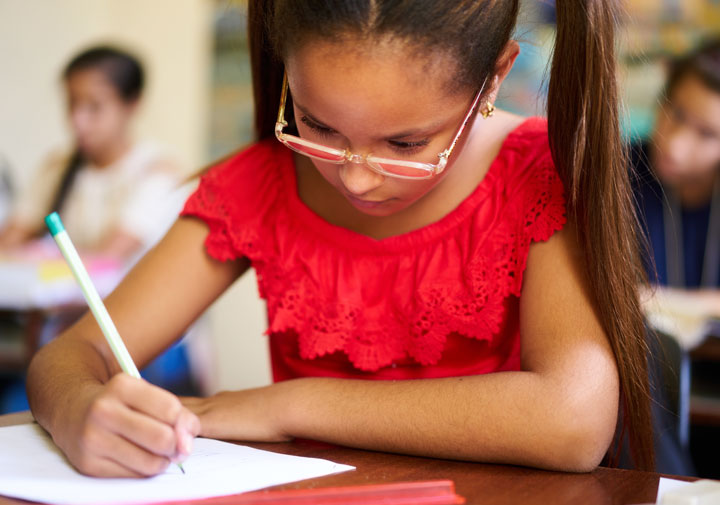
x: 439, y: 301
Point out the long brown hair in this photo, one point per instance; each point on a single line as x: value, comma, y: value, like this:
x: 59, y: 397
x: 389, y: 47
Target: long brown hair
x: 583, y: 123
x: 583, y: 129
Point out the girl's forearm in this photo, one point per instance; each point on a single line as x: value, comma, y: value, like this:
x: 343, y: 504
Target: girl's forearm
x: 512, y: 417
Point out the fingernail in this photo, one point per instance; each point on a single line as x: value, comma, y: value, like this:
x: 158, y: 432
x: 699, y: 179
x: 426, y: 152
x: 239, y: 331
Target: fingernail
x: 186, y: 443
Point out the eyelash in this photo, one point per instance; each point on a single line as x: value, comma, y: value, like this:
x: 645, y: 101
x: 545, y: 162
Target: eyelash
x: 323, y: 131
x: 405, y: 147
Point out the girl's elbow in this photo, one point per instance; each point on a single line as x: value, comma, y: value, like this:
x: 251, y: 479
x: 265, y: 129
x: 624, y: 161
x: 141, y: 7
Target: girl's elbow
x: 584, y: 439
x: 585, y: 455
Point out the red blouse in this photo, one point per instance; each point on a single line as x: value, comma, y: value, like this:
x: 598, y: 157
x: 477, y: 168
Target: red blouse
x: 439, y: 301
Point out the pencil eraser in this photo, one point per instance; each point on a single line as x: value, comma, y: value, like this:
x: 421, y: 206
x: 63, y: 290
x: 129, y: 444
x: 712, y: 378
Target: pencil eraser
x: 701, y: 492
x: 54, y: 223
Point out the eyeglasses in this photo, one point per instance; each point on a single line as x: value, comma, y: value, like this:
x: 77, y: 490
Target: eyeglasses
x: 393, y: 168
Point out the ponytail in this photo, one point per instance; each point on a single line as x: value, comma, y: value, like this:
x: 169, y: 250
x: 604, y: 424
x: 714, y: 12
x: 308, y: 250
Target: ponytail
x: 267, y: 69
x: 584, y: 131
x: 71, y: 169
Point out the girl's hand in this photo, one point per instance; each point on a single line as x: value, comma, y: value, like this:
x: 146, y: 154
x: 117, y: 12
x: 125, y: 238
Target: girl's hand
x: 126, y: 428
x: 252, y: 415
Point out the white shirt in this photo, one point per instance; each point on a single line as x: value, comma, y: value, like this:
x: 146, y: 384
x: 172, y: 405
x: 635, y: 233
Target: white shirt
x: 140, y: 193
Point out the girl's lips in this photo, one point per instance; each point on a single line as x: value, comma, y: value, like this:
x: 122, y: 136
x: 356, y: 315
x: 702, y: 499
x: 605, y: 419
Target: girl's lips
x: 366, y: 204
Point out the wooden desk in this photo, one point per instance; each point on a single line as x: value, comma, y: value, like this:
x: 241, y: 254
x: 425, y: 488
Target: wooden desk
x: 478, y: 483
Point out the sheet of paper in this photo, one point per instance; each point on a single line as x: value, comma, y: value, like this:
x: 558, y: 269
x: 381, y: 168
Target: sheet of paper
x: 33, y: 468
x: 665, y: 485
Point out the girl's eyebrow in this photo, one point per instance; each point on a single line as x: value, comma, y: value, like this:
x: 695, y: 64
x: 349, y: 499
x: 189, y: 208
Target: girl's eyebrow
x: 427, y: 131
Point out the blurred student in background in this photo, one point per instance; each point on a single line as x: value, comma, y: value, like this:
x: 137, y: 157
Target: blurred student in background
x: 677, y: 188
x: 116, y: 195
x: 113, y: 192
x: 678, y: 179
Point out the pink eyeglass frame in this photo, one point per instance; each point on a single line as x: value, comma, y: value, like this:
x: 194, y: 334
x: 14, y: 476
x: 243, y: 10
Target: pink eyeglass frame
x: 427, y: 170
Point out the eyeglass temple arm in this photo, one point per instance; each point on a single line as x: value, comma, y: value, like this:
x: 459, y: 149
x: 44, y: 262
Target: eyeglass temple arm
x: 446, y: 153
x: 283, y: 100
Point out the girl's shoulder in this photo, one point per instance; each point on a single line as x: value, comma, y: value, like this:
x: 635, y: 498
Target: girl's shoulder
x: 250, y: 178
x: 147, y: 157
x: 240, y: 193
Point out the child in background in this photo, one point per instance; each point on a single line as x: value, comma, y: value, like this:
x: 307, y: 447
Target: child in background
x: 678, y: 184
x: 442, y: 278
x: 677, y: 187
x: 114, y: 193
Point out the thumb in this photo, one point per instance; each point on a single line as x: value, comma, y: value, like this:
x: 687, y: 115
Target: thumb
x: 187, y: 428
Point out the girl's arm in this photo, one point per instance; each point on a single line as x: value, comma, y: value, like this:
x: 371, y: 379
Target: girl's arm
x: 107, y: 423
x: 559, y: 412
x: 15, y: 234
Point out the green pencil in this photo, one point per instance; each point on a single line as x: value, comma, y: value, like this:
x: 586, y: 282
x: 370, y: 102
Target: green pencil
x: 97, y: 307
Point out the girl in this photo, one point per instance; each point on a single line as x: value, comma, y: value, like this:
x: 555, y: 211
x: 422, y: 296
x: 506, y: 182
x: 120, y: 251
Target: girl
x: 425, y: 292
x: 677, y: 191
x: 679, y: 176
x: 111, y: 190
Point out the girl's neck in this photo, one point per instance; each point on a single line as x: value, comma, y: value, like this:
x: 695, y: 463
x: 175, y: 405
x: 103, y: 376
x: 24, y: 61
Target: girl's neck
x: 110, y: 154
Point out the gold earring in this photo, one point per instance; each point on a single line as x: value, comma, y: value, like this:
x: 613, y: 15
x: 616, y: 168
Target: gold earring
x: 488, y: 111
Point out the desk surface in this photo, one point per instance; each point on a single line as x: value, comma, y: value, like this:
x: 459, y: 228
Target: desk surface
x: 478, y: 483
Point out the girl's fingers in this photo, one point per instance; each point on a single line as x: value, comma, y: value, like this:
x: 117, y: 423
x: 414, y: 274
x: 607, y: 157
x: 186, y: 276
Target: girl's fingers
x: 146, y: 398
x: 139, y: 426
x: 186, y: 429
x: 115, y: 456
x: 144, y: 431
x: 146, y: 415
x: 102, y: 467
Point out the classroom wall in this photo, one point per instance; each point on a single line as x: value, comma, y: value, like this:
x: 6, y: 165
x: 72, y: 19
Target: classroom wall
x: 174, y: 39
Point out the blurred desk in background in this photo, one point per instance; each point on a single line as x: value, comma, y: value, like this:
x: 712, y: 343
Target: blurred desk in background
x: 37, y: 288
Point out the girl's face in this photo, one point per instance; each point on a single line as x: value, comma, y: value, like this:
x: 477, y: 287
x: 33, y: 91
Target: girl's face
x: 687, y: 134
x: 383, y: 100
x: 99, y: 117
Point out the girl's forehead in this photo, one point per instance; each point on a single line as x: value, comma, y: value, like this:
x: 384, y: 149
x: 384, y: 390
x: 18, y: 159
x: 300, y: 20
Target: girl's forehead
x: 90, y: 79
x: 378, y: 76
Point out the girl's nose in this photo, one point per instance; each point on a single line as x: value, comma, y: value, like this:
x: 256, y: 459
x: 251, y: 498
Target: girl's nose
x: 359, y: 178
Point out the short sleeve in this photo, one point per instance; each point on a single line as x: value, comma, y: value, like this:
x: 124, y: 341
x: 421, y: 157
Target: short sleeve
x: 535, y: 199
x: 237, y: 197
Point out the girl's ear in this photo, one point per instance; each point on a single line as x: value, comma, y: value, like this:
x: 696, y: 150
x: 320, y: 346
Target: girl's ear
x: 504, y: 64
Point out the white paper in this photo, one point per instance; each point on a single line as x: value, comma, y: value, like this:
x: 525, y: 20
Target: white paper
x: 33, y: 468
x: 665, y: 485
